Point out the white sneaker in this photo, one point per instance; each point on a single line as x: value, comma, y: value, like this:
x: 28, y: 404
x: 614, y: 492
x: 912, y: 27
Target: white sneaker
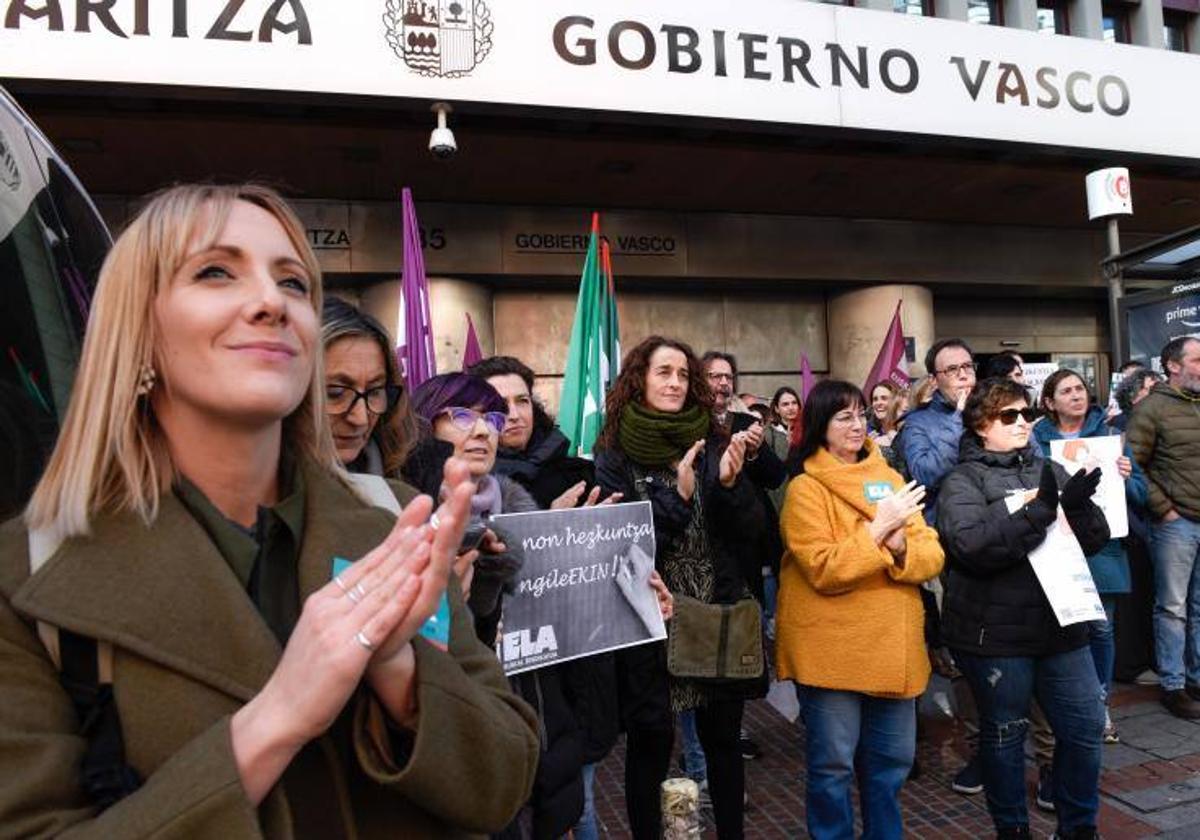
x: 1147, y: 677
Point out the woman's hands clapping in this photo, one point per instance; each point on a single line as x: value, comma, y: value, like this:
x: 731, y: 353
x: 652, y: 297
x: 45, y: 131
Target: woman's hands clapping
x: 685, y: 471
x: 571, y: 496
x: 360, y: 622
x: 893, y: 512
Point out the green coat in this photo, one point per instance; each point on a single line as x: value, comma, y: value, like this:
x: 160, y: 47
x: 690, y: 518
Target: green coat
x: 1164, y: 434
x: 190, y: 649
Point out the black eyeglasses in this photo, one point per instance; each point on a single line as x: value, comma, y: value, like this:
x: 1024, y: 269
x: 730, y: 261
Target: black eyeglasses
x: 464, y: 418
x: 954, y: 370
x: 1009, y: 415
x: 341, y: 399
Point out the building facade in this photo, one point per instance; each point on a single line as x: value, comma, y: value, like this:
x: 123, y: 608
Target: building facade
x: 773, y: 177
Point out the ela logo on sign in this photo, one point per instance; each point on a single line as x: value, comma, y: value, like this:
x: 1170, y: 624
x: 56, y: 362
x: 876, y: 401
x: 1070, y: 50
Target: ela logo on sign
x: 877, y: 491
x: 520, y: 644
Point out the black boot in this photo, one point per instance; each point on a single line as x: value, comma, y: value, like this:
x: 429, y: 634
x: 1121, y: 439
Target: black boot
x: 1014, y: 832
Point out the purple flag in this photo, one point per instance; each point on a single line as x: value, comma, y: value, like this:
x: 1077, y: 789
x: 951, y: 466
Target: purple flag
x: 890, y: 364
x: 414, y: 330
x: 807, y: 380
x: 472, y: 352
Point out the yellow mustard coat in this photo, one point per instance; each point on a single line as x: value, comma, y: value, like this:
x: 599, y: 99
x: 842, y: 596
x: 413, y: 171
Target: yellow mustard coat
x: 848, y: 618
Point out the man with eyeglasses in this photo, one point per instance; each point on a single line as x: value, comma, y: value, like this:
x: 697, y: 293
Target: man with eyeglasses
x: 759, y: 554
x: 932, y: 432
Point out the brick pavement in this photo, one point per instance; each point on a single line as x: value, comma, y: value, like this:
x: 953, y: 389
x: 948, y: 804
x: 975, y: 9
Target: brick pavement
x: 1150, y: 786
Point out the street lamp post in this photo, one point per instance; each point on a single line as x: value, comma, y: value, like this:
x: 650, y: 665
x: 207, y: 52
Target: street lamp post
x: 1109, y: 197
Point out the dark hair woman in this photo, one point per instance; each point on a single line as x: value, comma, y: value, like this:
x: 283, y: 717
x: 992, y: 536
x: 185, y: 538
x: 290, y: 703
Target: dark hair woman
x: 996, y: 506
x: 785, y: 405
x: 369, y: 415
x: 658, y: 443
x: 1071, y: 415
x: 850, y: 623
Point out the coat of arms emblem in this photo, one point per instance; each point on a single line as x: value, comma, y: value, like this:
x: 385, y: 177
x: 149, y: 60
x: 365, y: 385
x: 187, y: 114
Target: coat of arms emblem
x: 446, y: 38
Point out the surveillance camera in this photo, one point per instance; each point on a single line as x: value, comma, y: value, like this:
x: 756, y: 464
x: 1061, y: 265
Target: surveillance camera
x: 441, y: 141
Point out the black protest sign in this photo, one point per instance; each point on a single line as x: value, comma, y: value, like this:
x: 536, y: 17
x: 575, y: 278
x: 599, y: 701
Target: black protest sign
x: 583, y: 587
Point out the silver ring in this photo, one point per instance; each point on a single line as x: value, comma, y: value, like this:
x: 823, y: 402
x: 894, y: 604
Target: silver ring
x: 341, y: 584
x: 433, y: 521
x: 357, y: 593
x: 362, y: 639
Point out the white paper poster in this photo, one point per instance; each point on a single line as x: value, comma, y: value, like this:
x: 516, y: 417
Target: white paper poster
x: 1101, y: 452
x: 1062, y: 570
x: 1036, y: 374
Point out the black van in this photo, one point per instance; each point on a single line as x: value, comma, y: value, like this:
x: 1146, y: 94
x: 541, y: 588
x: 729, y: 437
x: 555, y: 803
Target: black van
x: 52, y: 242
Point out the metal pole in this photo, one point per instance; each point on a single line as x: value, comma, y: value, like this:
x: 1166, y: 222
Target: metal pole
x: 1116, y: 291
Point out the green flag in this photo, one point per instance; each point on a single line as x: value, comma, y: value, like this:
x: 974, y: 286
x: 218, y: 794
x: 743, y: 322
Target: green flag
x: 593, y: 356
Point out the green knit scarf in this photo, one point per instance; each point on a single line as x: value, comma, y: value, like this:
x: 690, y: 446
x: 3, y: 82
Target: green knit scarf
x: 657, y: 439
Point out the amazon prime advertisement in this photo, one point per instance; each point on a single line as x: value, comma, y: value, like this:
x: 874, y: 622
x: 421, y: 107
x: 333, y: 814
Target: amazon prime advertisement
x: 1154, y: 318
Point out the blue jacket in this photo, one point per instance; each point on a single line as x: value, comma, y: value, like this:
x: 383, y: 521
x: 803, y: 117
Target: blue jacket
x: 1110, y: 565
x: 930, y: 441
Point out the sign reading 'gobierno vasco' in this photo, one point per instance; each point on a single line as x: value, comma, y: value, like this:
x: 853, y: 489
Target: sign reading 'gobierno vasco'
x: 778, y: 61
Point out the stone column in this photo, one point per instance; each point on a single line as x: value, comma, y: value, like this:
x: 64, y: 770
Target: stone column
x: 1146, y: 24
x: 857, y: 322
x: 449, y: 302
x: 1020, y: 14
x: 1087, y: 18
x: 950, y: 9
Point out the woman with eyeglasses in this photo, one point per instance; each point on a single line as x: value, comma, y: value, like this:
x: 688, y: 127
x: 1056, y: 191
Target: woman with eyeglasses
x: 461, y: 417
x: 850, y: 622
x: 369, y: 415
x: 464, y: 418
x: 996, y: 506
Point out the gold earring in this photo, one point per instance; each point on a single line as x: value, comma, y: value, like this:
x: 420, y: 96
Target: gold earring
x: 146, y: 380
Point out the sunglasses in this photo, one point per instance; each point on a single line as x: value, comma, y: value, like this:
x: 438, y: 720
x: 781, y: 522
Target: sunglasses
x: 1009, y: 415
x: 464, y: 419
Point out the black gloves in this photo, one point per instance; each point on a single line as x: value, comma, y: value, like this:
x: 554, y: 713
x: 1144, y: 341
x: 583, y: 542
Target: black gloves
x: 1047, y: 492
x: 1079, y: 489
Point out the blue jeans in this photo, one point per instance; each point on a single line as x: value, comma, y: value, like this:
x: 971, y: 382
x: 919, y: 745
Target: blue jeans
x: 586, y: 829
x: 1068, y: 691
x: 770, y: 595
x: 1104, y: 648
x: 694, y: 763
x: 1175, y: 546
x: 854, y: 735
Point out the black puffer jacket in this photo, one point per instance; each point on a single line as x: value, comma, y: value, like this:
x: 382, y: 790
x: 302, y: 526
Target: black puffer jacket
x: 994, y: 605
x: 544, y: 468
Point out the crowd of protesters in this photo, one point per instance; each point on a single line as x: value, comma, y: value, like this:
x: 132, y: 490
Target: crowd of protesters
x: 169, y: 586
